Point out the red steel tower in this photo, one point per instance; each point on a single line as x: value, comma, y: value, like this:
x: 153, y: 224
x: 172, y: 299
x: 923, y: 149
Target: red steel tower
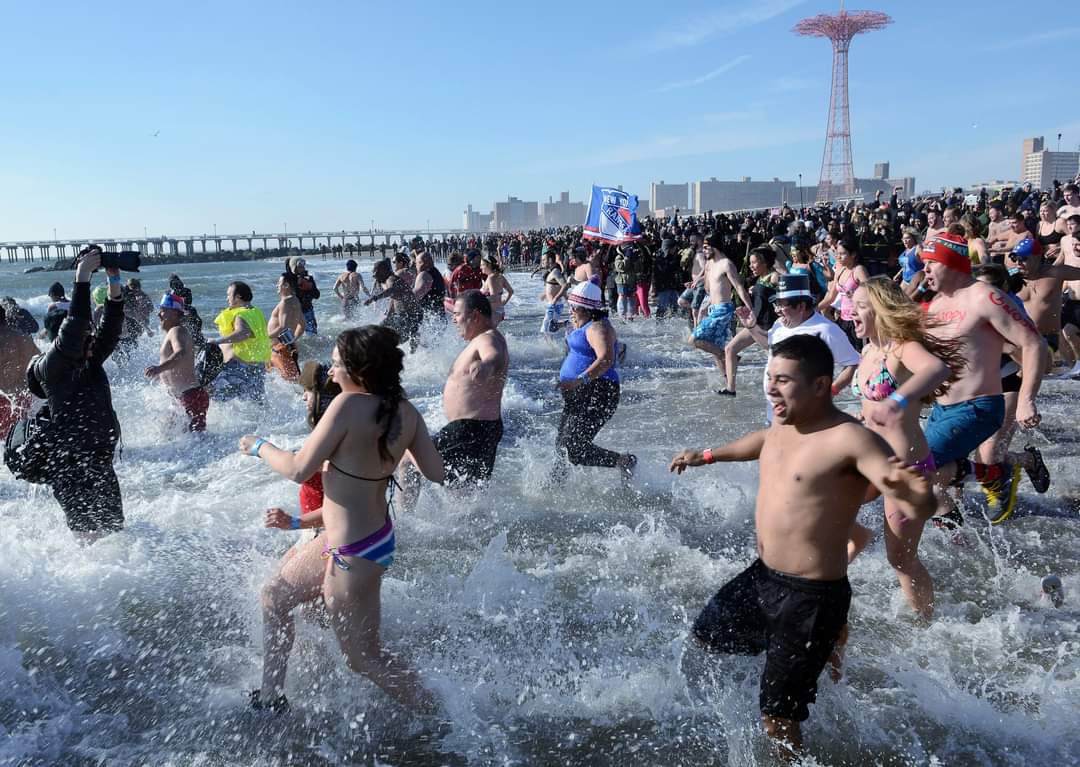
x: 837, y: 173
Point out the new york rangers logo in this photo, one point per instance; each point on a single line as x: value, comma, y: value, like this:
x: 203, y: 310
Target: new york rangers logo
x: 612, y: 216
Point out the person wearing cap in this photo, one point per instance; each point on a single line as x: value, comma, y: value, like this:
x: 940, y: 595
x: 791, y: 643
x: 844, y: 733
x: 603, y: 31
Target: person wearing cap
x: 721, y: 277
x: 589, y: 381
x: 285, y: 326
x: 1044, y: 280
x: 347, y: 288
x: 982, y: 319
x: 71, y: 376
x: 300, y: 573
x: 796, y: 314
x: 19, y: 350
x: 176, y: 368
x: 306, y: 292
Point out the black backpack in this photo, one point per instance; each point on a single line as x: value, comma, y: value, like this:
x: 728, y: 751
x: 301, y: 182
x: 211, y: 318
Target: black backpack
x: 29, y: 446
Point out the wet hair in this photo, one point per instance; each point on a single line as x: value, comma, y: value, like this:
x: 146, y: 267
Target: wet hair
x: 135, y: 284
x: 382, y: 266
x: 292, y: 281
x: 898, y: 319
x: 474, y: 299
x: 813, y: 355
x: 401, y: 258
x: 56, y: 290
x: 492, y: 263
x: 372, y: 359
x: 241, y: 290
x: 851, y: 245
x: 350, y: 265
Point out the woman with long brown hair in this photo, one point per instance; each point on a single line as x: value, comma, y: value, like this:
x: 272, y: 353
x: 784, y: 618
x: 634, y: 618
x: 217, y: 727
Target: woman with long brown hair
x: 902, y: 363
x: 357, y: 445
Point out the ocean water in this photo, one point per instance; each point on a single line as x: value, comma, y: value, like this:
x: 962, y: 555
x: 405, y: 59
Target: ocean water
x: 551, y: 618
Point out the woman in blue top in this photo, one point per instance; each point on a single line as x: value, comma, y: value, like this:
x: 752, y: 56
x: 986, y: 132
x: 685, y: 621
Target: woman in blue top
x: 589, y: 382
x: 910, y: 275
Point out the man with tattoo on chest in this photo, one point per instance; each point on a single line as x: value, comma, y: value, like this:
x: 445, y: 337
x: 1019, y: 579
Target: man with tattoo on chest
x: 983, y: 319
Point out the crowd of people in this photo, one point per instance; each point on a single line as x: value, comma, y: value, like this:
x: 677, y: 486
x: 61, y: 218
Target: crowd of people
x: 961, y: 305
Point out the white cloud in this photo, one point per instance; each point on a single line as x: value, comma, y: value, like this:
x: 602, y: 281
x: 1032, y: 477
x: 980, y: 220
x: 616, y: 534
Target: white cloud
x: 725, y: 20
x: 705, y: 77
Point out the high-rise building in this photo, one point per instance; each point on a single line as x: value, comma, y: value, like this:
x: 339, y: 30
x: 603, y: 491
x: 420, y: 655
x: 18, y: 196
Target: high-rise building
x: 668, y: 196
x: 515, y: 215
x: 881, y: 170
x: 562, y: 212
x: 1041, y: 167
x: 475, y: 221
x: 746, y: 194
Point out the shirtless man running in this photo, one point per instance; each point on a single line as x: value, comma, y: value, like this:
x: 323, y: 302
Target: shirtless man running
x: 983, y: 319
x: 347, y: 288
x: 472, y: 399
x: 1070, y: 208
x: 816, y: 464
x: 721, y: 276
x: 15, y: 399
x: 177, y: 366
x: 286, y: 324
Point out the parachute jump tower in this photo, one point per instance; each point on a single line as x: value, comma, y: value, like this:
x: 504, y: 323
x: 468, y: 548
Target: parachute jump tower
x: 837, y: 172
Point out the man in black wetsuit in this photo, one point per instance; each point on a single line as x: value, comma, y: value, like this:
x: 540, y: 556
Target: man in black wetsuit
x: 85, y: 430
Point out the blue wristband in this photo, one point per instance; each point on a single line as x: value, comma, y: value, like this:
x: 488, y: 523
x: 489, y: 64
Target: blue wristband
x: 114, y: 279
x: 583, y: 376
x: 899, y: 399
x: 254, y: 449
x: 295, y: 524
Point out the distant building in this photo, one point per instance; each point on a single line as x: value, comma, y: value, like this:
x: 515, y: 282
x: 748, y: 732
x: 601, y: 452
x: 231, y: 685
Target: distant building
x: 1042, y: 167
x: 514, y: 215
x: 475, y: 221
x: 665, y: 196
x: 562, y: 213
x: 881, y: 170
x: 993, y: 187
x: 747, y: 194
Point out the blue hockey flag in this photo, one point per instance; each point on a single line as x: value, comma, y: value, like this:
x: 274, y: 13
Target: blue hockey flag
x: 612, y: 216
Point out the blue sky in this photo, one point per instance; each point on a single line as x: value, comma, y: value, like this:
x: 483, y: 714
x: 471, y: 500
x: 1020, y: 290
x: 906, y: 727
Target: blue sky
x: 327, y: 115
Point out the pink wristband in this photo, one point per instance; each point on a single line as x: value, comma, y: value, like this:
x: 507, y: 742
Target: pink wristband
x: 707, y: 455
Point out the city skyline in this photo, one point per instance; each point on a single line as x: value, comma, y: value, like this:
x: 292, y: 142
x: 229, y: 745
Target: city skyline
x: 256, y: 118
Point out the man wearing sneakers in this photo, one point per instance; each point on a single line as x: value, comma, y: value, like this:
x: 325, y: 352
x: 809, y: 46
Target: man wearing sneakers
x: 983, y: 319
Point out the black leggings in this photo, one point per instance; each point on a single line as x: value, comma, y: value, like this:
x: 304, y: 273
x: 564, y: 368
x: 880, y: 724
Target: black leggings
x: 585, y: 411
x: 89, y: 493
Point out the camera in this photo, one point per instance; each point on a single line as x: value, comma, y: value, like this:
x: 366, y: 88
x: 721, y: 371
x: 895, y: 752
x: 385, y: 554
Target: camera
x: 125, y: 260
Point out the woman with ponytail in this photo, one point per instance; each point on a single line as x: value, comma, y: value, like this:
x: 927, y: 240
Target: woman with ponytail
x: 357, y: 445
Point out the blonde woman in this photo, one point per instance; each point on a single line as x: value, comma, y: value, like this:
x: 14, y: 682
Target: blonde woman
x: 901, y: 364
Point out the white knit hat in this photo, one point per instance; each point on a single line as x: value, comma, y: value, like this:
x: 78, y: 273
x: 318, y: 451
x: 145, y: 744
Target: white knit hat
x: 586, y: 295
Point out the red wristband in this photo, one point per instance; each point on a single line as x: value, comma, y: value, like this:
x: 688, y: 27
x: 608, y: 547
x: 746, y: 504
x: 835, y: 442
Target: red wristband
x: 707, y: 455
x: 835, y: 391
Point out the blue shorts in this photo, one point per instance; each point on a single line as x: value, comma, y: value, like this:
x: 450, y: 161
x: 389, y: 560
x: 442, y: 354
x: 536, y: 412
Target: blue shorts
x: 716, y: 328
x: 954, y: 431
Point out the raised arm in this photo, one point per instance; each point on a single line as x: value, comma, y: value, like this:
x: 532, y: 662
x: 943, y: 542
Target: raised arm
x: 746, y: 448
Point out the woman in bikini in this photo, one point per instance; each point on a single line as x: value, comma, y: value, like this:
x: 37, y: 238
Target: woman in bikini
x: 901, y: 364
x: 357, y: 444
x: 495, y: 285
x: 850, y: 274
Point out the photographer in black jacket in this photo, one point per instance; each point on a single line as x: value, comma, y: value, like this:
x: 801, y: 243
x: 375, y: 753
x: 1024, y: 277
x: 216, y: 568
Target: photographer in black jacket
x: 84, y: 431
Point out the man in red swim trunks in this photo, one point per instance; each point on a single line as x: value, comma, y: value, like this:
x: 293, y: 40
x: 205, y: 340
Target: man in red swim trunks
x: 177, y: 366
x: 19, y: 349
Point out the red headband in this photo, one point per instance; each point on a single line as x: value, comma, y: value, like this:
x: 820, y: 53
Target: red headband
x: 950, y: 250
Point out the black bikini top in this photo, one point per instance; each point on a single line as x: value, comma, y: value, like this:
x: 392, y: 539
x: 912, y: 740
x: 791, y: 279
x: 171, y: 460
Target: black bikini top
x: 389, y: 476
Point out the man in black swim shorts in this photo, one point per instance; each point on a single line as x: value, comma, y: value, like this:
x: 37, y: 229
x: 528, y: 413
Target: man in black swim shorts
x: 815, y: 465
x: 472, y: 397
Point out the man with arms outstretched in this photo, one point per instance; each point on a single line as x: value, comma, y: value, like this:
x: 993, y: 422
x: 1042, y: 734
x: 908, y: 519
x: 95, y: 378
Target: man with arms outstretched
x: 815, y: 465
